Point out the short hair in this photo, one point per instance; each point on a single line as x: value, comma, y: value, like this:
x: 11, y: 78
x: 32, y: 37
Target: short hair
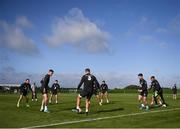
x: 27, y: 79
x: 140, y: 74
x: 152, y: 77
x: 51, y: 70
x: 56, y: 80
x: 103, y: 81
x: 87, y: 70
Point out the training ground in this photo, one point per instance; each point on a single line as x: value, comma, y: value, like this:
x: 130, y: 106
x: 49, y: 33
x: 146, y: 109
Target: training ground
x: 122, y: 112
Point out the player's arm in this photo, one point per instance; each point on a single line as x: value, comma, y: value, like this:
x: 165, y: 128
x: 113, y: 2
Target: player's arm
x: 81, y: 82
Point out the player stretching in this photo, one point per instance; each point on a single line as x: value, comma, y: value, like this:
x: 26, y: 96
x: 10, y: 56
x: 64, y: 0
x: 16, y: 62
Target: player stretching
x: 104, y: 92
x: 143, y: 92
x: 54, y: 91
x: 158, y: 91
x: 174, y: 90
x: 24, y: 88
x: 88, y: 80
x: 44, y: 90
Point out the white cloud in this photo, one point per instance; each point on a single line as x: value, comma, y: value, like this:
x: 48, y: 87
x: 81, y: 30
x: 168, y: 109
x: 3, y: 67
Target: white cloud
x: 78, y: 31
x: 13, y: 38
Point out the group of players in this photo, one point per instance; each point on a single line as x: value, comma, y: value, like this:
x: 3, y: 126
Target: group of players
x: 92, y: 87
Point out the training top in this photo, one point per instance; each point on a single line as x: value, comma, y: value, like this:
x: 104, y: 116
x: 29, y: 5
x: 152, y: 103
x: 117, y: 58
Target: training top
x: 174, y: 88
x: 89, y: 81
x: 45, y: 82
x: 143, y: 85
x: 55, y: 87
x: 25, y: 87
x: 104, y: 87
x: 155, y: 86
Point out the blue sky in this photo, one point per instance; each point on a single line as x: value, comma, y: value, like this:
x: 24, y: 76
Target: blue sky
x: 117, y: 39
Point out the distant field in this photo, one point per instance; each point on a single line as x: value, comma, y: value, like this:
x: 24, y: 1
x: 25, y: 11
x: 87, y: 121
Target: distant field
x: 122, y: 111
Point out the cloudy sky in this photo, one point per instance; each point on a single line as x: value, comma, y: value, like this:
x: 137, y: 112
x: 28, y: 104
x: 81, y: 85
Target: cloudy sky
x: 117, y: 39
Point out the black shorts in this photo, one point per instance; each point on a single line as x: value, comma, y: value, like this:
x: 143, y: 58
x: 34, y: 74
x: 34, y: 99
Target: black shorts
x: 87, y: 94
x: 144, y: 94
x: 54, y: 92
x: 103, y: 91
x: 24, y: 93
x: 174, y: 92
x: 44, y: 91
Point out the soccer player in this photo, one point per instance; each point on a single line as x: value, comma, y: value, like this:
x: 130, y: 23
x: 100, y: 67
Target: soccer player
x: 44, y: 90
x: 174, y: 90
x: 24, y: 89
x: 158, y: 91
x: 143, y: 92
x: 88, y: 80
x: 34, y: 92
x: 96, y: 92
x: 54, y: 91
x: 104, y: 92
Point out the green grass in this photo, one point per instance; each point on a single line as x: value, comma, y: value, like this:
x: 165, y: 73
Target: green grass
x: 11, y: 116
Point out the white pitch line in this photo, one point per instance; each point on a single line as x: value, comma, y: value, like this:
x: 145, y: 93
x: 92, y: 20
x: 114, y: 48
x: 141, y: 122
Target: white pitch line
x: 100, y: 118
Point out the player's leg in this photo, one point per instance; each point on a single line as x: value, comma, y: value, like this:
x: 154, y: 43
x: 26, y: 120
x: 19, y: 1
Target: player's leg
x: 19, y: 100
x: 106, y: 96
x: 32, y: 96
x: 56, y: 97
x: 87, y: 105
x: 102, y: 97
x: 27, y: 100
x: 78, y: 103
x: 36, y: 96
x: 145, y: 102
x: 50, y: 99
x: 42, y: 103
x: 46, y: 102
x: 140, y: 99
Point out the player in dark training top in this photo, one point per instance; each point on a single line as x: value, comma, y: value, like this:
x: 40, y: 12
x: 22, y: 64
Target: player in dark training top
x: 44, y: 90
x: 24, y: 89
x: 143, y: 92
x: 89, y: 81
x: 157, y: 91
x: 174, y: 90
x: 54, y: 91
x: 104, y: 92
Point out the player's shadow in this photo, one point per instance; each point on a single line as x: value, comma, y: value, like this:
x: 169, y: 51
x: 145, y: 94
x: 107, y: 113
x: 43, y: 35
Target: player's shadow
x: 110, y: 110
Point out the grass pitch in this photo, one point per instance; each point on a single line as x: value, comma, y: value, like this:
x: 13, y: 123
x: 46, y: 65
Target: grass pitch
x: 121, y: 112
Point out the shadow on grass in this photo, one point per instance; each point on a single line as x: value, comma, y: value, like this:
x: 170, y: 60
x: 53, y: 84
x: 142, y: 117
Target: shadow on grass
x: 110, y: 110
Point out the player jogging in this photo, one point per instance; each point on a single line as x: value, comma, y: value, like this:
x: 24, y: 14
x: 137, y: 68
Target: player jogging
x: 104, y: 92
x: 44, y: 90
x: 88, y: 80
x: 24, y: 89
x: 174, y: 90
x: 157, y: 91
x: 54, y: 91
x: 143, y: 92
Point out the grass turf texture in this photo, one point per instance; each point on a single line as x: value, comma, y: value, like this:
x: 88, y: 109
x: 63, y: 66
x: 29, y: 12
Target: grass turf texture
x: 120, y: 104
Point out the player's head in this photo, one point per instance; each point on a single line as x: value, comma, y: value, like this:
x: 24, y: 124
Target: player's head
x: 152, y: 78
x: 103, y: 82
x: 56, y: 81
x: 27, y: 81
x: 140, y: 76
x: 87, y: 71
x: 50, y: 72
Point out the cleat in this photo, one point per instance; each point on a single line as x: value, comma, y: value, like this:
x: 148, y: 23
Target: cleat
x: 86, y: 113
x: 41, y: 110
x: 46, y: 111
x: 18, y: 105
x: 100, y: 103
x: 27, y: 105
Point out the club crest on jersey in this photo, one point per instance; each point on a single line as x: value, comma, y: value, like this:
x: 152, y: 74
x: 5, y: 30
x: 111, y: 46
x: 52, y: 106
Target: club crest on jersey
x: 89, y: 78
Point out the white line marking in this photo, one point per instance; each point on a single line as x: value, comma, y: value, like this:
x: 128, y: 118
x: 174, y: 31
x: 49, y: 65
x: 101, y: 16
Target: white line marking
x: 100, y: 118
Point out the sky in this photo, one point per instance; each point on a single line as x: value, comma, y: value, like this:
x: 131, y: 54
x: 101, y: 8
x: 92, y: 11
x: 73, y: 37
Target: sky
x: 116, y: 39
